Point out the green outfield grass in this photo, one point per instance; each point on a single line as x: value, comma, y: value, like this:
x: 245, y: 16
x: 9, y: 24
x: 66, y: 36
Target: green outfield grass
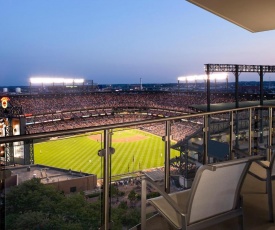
x: 134, y: 150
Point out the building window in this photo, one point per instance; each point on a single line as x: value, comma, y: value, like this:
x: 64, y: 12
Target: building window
x: 72, y: 189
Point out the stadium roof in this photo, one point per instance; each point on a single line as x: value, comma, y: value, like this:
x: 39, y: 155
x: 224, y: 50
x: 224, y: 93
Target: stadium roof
x: 252, y: 15
x: 228, y: 106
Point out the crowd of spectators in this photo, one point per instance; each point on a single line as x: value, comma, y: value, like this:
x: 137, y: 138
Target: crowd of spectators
x: 53, y: 103
x: 83, y: 122
x: 53, y: 112
x: 179, y: 129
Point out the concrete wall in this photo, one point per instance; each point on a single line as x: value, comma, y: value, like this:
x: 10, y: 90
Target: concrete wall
x: 76, y: 184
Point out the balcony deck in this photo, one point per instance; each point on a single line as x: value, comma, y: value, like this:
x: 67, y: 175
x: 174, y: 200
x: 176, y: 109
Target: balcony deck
x: 255, y: 208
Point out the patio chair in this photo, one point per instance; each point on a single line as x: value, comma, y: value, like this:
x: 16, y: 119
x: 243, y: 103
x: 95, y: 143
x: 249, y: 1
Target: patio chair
x: 213, y: 197
x: 265, y: 171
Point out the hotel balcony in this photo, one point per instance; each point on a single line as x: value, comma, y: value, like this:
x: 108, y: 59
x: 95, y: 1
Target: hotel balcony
x: 220, y: 136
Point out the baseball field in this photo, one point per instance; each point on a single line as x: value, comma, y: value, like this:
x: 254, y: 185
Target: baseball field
x: 134, y: 150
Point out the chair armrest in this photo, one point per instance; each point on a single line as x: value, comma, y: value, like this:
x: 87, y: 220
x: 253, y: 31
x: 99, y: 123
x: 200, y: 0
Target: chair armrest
x: 165, y: 196
x: 262, y: 164
x: 170, y: 201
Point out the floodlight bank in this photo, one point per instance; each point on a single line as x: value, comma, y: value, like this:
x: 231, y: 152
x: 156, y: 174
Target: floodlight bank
x: 218, y: 76
x: 51, y: 80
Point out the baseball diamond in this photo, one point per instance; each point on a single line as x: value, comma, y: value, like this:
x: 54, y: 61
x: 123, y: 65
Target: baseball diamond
x: 135, y: 150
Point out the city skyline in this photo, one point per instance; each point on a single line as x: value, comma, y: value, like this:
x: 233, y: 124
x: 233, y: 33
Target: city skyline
x: 122, y: 41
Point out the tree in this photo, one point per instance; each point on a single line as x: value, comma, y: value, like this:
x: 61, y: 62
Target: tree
x: 131, y: 218
x: 132, y: 196
x: 114, y: 190
x: 32, y: 196
x: 33, y: 205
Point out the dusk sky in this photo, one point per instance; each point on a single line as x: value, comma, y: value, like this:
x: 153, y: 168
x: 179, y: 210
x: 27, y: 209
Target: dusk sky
x: 121, y: 41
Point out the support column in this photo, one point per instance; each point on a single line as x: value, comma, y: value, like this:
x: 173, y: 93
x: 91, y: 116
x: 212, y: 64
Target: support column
x: 237, y: 129
x: 227, y: 83
x: 208, y: 87
x: 261, y: 122
x: 105, y: 153
x: 261, y: 73
x: 167, y: 156
x: 106, y: 180
x: 205, y: 140
x: 250, y: 132
x: 270, y: 112
x: 256, y: 130
x: 231, y: 124
x: 237, y: 86
x: 206, y: 117
x: 9, y: 149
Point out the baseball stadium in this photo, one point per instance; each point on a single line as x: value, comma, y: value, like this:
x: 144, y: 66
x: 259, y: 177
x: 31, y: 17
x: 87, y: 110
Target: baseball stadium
x: 196, y: 154
x: 84, y: 139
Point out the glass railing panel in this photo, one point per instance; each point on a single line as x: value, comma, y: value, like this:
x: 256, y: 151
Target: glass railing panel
x: 272, y: 127
x: 219, y: 136
x: 139, y: 150
x: 241, y: 132
x: 187, y: 140
x: 74, y: 164
x: 68, y: 164
x: 260, y: 130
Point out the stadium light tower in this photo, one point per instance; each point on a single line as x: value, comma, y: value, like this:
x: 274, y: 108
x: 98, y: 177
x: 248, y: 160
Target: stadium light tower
x: 55, y: 80
x: 44, y: 80
x: 218, y: 76
x: 202, y: 77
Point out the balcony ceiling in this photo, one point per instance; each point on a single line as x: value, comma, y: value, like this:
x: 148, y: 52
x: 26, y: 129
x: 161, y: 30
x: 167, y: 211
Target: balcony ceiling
x: 252, y: 15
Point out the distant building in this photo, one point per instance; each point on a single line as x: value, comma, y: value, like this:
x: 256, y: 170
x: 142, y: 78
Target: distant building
x: 66, y: 181
x: 252, y: 89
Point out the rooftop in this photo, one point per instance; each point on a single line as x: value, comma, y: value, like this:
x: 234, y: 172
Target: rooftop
x: 47, y: 174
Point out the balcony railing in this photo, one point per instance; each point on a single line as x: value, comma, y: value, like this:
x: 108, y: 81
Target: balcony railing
x: 239, y: 132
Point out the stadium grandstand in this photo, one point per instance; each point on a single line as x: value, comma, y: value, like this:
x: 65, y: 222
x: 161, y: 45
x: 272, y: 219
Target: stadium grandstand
x: 42, y: 113
x: 62, y: 104
x: 51, y: 112
x: 46, y: 112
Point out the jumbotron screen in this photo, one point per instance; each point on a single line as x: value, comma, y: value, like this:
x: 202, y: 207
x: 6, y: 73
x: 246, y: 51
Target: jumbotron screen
x: 18, y: 147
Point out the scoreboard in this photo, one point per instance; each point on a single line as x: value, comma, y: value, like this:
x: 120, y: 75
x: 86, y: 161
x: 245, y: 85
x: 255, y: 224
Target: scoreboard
x: 12, y: 123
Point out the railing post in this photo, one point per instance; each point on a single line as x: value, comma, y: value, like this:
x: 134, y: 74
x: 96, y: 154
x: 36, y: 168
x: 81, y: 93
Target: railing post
x: 208, y: 87
x: 236, y: 128
x: 105, y: 153
x: 261, y: 126
x: 250, y: 132
x: 236, y: 73
x: 231, y: 123
x: 269, y: 133
x: 143, y: 203
x: 205, y: 139
x: 167, y: 156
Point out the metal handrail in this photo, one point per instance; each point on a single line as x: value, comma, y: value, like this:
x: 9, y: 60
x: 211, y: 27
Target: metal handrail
x: 107, y: 128
x: 26, y: 137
